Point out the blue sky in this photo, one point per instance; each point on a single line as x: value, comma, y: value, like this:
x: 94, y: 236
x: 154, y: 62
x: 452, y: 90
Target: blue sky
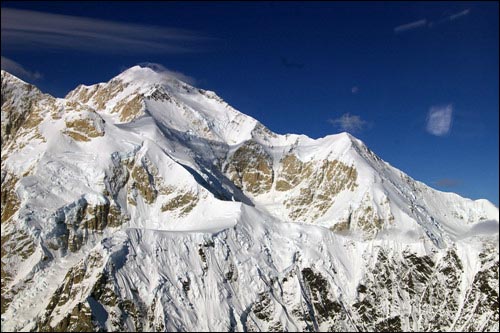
x: 417, y: 82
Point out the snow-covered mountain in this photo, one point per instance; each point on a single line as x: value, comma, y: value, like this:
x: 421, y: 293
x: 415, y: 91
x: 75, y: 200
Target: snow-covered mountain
x: 145, y: 203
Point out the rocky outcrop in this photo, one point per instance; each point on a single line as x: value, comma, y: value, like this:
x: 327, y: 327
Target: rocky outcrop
x: 87, y: 126
x: 293, y: 172
x: 130, y: 108
x: 250, y: 168
x: 23, y: 108
x: 17, y: 247
x: 111, y: 96
x: 79, y: 319
x: 99, y: 94
x: 183, y: 202
x: 82, y: 219
x: 146, y: 181
x: 9, y: 199
x: 320, y: 183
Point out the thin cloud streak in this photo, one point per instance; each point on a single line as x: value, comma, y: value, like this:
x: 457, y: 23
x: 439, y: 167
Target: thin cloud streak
x: 18, y: 70
x: 422, y: 23
x: 349, y: 123
x: 410, y: 26
x: 459, y: 15
x: 160, y: 69
x: 439, y: 120
x: 25, y: 29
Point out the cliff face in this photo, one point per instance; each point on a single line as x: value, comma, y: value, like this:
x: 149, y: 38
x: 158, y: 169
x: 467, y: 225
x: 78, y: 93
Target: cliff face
x: 147, y: 204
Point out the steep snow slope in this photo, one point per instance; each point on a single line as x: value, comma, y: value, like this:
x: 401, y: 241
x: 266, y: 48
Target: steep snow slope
x: 266, y: 275
x: 144, y: 203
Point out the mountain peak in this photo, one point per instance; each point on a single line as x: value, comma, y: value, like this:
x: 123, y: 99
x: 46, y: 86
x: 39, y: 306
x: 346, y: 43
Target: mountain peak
x: 150, y: 73
x: 141, y: 74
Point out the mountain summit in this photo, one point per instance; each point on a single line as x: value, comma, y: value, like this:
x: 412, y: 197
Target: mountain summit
x: 146, y: 204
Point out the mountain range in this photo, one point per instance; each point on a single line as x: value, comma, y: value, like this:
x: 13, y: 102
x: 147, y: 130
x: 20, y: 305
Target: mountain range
x: 147, y: 204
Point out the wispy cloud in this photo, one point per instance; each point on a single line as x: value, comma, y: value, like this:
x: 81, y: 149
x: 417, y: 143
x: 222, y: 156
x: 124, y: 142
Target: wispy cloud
x: 349, y: 123
x: 448, y: 182
x: 410, y: 26
x: 424, y: 23
x: 355, y: 90
x: 17, y: 69
x: 439, y: 120
x: 27, y: 30
x: 167, y: 72
x: 459, y: 14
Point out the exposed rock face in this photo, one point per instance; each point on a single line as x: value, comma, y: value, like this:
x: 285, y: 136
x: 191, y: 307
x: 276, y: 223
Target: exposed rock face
x: 113, y: 96
x: 250, y: 168
x: 85, y: 127
x: 81, y: 220
x: 143, y: 181
x: 17, y: 247
x: 9, y: 200
x: 182, y: 202
x: 80, y: 318
x: 17, y: 103
x: 368, y: 219
x: 129, y: 109
x: 145, y: 204
x: 146, y: 182
x: 293, y: 172
x: 98, y: 94
x: 23, y: 108
x: 320, y: 186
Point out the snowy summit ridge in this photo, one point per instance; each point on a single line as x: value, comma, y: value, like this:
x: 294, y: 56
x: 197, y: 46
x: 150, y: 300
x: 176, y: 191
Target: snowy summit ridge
x: 146, y: 204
